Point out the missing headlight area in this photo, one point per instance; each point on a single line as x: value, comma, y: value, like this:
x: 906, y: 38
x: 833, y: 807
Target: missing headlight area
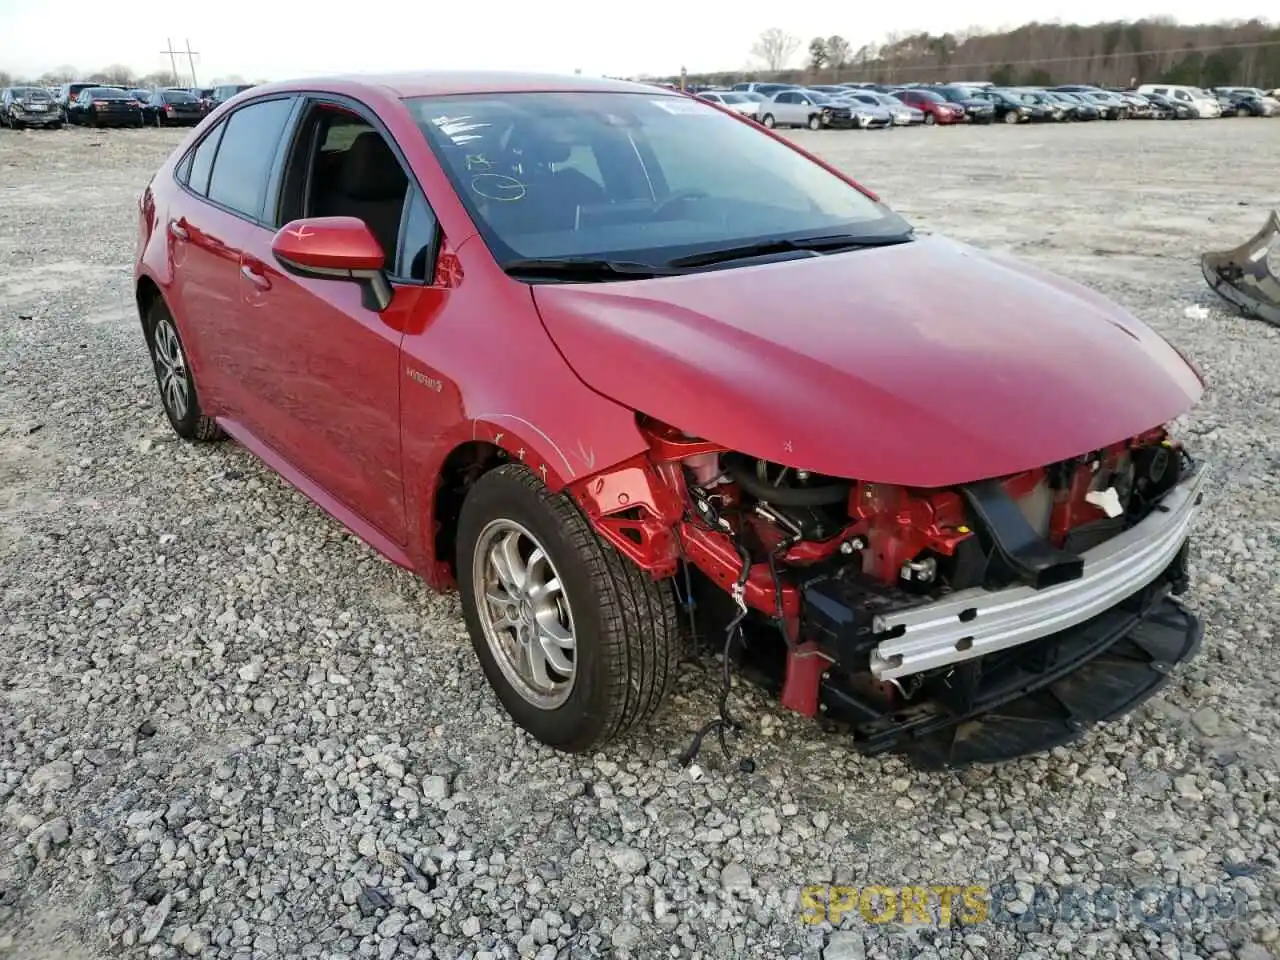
x: 972, y: 623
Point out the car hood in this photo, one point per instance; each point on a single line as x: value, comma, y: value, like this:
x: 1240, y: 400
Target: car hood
x: 927, y: 363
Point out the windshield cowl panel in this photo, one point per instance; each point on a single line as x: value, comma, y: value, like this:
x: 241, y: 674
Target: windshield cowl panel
x: 632, y: 178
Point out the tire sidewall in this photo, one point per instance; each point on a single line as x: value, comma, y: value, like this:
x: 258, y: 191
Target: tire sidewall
x: 185, y: 427
x: 503, y: 494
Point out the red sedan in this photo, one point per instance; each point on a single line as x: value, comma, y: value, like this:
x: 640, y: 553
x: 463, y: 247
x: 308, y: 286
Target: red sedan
x: 936, y: 108
x: 629, y: 371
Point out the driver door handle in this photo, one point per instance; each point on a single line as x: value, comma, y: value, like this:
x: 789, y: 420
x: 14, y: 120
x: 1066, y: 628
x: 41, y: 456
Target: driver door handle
x: 259, y: 280
x: 178, y: 231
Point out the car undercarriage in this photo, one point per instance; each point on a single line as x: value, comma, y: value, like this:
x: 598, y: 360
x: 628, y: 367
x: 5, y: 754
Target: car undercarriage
x: 974, y: 623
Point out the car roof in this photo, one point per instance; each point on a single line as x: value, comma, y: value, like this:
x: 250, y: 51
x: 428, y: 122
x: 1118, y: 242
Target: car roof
x: 443, y: 82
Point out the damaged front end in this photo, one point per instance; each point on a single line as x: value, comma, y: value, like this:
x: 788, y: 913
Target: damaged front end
x: 974, y: 623
x: 1244, y: 277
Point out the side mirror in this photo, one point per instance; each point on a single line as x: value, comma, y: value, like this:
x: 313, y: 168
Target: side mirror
x: 335, y: 248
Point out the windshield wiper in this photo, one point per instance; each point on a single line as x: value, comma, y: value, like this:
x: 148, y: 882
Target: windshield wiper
x: 830, y: 242
x: 585, y: 268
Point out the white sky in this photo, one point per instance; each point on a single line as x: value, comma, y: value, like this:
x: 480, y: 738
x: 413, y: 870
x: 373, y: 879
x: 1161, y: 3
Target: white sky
x: 278, y: 39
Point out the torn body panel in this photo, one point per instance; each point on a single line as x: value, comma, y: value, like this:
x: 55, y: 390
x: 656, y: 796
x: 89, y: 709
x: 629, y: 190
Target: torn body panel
x: 1243, y: 276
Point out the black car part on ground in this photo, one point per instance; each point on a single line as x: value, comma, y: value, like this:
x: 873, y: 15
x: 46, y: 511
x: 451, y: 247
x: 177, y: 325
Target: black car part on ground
x: 1243, y: 277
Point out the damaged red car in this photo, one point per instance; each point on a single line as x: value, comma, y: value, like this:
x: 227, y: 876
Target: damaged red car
x: 629, y: 371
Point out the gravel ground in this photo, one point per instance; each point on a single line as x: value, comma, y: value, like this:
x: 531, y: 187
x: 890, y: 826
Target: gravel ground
x: 228, y: 729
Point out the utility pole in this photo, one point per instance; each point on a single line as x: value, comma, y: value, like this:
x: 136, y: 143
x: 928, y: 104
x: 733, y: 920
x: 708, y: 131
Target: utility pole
x: 191, y: 62
x: 173, y: 58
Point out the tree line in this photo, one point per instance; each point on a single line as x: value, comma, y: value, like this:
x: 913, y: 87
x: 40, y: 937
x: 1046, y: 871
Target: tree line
x: 1244, y: 53
x: 116, y: 75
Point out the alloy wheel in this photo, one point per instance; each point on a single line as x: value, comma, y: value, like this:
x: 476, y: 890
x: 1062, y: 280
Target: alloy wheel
x: 525, y: 613
x: 171, y: 369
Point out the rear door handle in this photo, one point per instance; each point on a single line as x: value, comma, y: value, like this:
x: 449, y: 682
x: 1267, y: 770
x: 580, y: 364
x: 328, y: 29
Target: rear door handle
x: 253, y: 276
x: 178, y: 231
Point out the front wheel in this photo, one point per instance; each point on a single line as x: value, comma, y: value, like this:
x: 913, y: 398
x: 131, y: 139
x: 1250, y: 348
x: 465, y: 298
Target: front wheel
x: 1010, y: 117
x: 929, y: 120
x: 579, y: 644
x: 768, y: 121
x: 815, y: 122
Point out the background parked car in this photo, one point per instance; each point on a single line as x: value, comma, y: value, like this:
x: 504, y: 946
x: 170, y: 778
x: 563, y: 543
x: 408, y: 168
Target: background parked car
x: 1204, y: 104
x: 67, y: 94
x: 1169, y: 109
x: 805, y: 108
x: 106, y: 107
x: 1078, y: 107
x: 228, y: 90
x: 28, y: 107
x: 738, y: 101
x: 899, y: 113
x: 172, y: 108
x: 977, y: 107
x: 763, y: 88
x: 1045, y: 108
x: 935, y: 107
x: 1247, y: 102
x: 1009, y: 107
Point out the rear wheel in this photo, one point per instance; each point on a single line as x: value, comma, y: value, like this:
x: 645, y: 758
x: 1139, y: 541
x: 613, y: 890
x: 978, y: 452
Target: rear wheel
x: 579, y: 644
x: 174, y: 378
x: 1242, y: 111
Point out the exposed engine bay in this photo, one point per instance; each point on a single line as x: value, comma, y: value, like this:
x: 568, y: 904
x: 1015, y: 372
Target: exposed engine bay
x: 916, y: 617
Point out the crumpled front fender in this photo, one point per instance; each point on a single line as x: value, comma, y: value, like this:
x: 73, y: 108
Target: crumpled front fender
x: 1243, y: 276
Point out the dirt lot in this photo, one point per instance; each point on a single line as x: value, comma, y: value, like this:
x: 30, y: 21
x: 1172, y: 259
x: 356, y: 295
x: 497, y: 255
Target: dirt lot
x: 228, y: 729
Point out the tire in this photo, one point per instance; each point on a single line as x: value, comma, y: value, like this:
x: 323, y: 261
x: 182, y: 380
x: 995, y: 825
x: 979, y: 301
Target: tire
x: 169, y: 357
x: 1242, y: 111
x: 768, y: 121
x: 815, y: 122
x: 929, y: 121
x: 623, y: 625
x: 1010, y: 117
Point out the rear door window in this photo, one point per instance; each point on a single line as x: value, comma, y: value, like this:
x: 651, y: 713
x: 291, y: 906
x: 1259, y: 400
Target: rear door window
x: 248, y: 149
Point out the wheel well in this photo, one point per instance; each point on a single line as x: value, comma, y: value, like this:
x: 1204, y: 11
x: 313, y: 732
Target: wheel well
x: 146, y: 294
x: 465, y: 465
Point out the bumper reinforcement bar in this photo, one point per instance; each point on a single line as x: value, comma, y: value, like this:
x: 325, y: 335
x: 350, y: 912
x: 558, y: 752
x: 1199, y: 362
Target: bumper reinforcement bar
x: 976, y: 622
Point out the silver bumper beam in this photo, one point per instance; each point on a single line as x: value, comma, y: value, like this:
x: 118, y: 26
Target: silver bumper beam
x: 975, y: 622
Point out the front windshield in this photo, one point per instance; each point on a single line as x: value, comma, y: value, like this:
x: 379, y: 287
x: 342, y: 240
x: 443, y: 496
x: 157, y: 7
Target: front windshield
x: 631, y: 176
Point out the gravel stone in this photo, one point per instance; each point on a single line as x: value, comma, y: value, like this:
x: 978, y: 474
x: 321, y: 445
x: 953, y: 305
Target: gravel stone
x: 52, y: 777
x: 225, y: 716
x: 735, y: 877
x: 844, y: 945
